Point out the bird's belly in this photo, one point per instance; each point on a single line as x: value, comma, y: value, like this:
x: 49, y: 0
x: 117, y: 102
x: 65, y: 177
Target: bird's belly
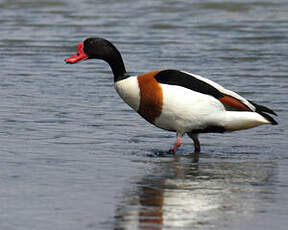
x: 184, y: 110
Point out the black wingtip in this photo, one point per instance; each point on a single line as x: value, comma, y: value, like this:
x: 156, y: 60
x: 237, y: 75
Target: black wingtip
x: 262, y: 108
x: 274, y: 122
x: 268, y: 118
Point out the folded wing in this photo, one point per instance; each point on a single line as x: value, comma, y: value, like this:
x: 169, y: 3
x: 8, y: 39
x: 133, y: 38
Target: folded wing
x: 230, y: 99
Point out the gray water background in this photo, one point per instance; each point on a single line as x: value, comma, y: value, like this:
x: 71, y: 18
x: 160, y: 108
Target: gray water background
x: 74, y: 156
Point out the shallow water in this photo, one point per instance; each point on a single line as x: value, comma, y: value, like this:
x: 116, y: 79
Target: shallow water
x: 74, y: 156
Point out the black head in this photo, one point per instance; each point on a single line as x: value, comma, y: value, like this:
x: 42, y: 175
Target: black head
x: 94, y: 48
x: 99, y: 48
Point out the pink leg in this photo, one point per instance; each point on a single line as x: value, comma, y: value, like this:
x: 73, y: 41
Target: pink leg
x: 177, y: 144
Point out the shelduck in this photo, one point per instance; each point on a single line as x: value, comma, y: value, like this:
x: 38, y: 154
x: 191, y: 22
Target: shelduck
x: 175, y: 100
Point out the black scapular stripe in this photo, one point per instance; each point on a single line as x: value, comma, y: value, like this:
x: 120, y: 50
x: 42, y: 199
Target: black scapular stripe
x: 176, y: 77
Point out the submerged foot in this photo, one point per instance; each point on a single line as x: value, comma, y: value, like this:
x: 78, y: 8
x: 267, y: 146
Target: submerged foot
x: 159, y: 154
x: 195, y: 157
x: 171, y: 151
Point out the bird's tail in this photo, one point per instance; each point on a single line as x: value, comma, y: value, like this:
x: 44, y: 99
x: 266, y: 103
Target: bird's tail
x: 263, y: 110
x: 237, y: 120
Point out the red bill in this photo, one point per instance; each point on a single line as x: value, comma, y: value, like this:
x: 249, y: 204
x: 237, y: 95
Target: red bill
x: 80, y: 56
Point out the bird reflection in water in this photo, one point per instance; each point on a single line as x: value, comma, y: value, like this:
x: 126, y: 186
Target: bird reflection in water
x: 181, y: 193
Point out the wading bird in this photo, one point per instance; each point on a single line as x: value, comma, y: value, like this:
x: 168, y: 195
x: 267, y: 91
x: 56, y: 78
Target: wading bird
x: 176, y: 100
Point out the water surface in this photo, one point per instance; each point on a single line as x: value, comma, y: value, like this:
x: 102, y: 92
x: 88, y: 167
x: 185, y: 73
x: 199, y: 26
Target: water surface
x: 74, y: 156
